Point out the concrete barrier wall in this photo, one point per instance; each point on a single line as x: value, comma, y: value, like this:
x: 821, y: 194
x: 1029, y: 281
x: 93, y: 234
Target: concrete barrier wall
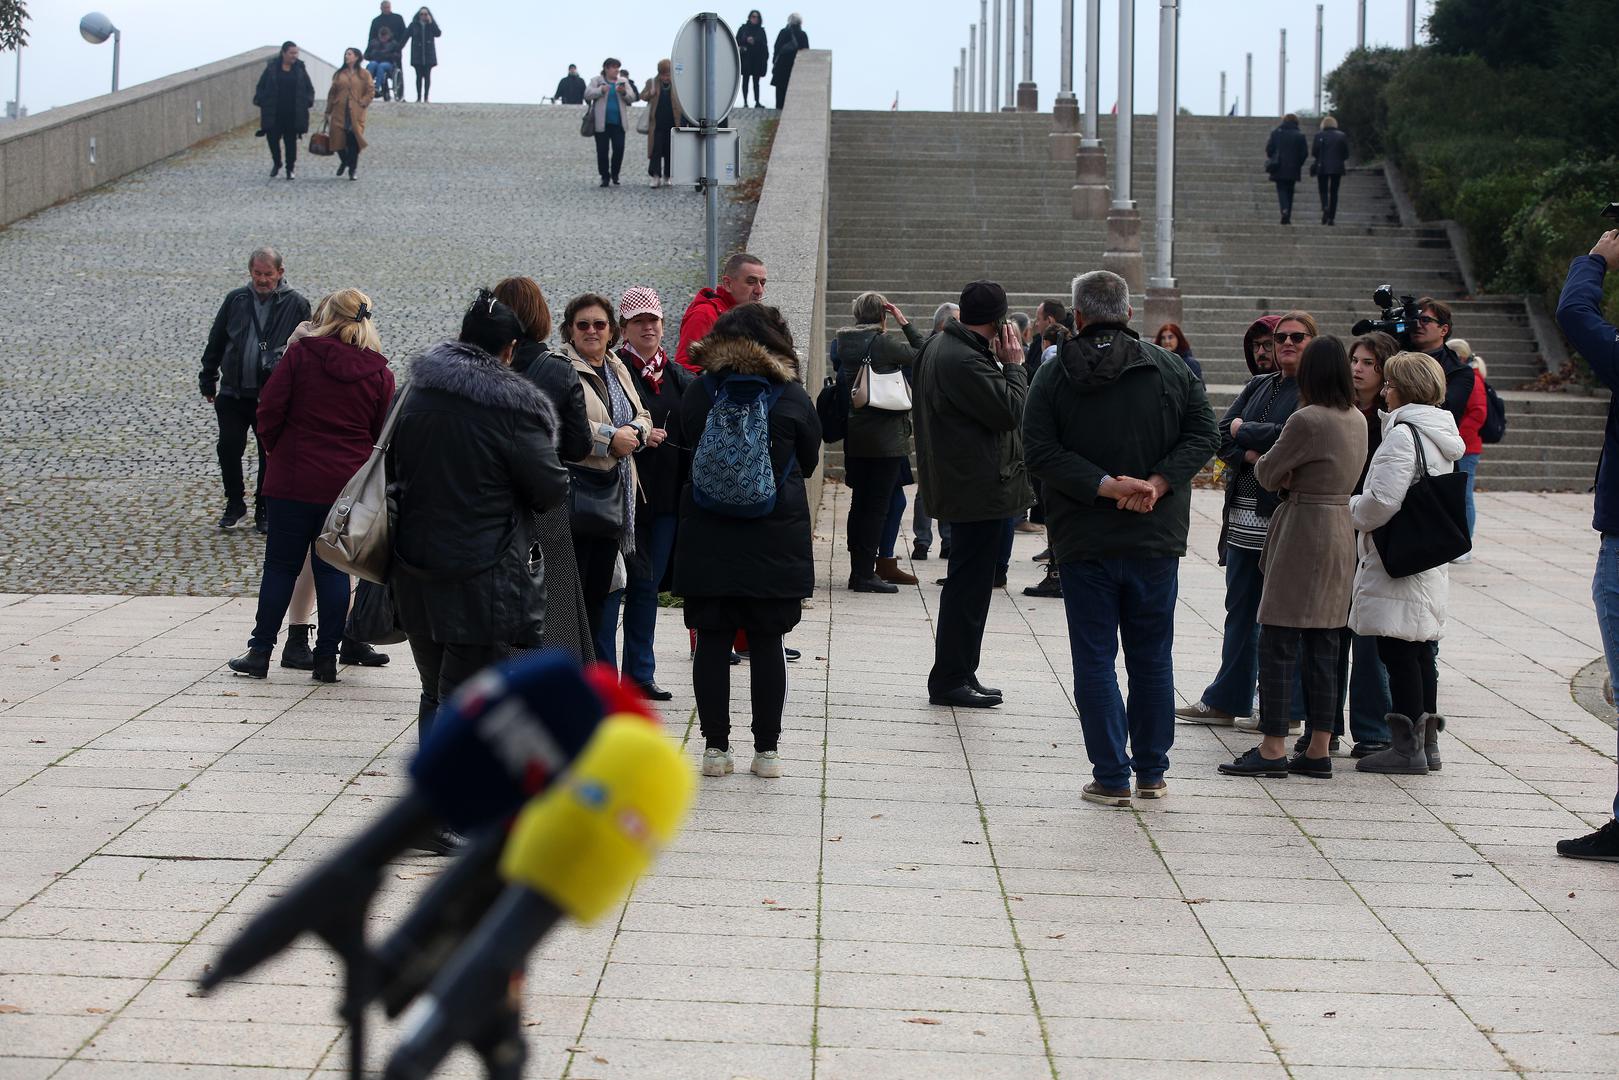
x: 47, y: 158
x: 789, y: 227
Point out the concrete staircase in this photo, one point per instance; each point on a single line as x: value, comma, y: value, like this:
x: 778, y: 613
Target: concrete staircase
x: 923, y: 202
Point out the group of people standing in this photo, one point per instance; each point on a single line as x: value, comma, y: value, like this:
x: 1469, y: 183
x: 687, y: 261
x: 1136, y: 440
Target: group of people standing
x: 385, y: 48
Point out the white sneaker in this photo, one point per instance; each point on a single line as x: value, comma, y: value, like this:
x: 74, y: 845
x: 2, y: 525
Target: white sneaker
x: 718, y: 762
x: 766, y: 764
x: 1463, y: 559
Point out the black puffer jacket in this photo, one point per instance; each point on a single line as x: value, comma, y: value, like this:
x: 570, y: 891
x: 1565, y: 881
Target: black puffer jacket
x: 771, y: 557
x: 1331, y: 152
x: 556, y: 379
x: 265, y: 97
x: 473, y: 459
x: 1287, y: 147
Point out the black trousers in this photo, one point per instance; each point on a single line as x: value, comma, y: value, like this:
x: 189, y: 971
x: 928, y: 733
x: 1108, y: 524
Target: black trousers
x: 711, y: 683
x: 596, y: 557
x: 1289, y: 655
x: 975, y: 548
x: 424, y: 82
x: 238, y: 415
x: 349, y: 156
x: 781, y: 95
x: 443, y: 666
x: 757, y: 100
x: 1328, y: 186
x: 610, y: 140
x: 282, y: 142
x: 1284, y: 196
x: 871, y: 483
x: 1413, y: 675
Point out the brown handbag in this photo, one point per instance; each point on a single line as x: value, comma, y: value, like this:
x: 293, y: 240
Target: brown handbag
x: 320, y: 143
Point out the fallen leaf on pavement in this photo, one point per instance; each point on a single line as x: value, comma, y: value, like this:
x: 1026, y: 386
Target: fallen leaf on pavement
x: 56, y: 659
x: 10, y: 1008
x: 923, y: 1020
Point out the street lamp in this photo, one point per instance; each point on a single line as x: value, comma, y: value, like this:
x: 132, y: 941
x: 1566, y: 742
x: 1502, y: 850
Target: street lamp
x: 96, y: 28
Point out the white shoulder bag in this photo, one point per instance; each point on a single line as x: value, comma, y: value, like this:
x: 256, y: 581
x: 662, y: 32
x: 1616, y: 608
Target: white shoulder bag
x: 888, y: 391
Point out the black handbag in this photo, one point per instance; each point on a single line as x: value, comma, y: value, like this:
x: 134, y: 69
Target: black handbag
x: 372, y: 616
x: 1430, y: 528
x: 595, y: 502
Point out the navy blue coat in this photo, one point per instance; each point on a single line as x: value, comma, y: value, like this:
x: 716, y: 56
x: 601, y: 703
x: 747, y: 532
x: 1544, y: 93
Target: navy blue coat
x: 1289, y: 149
x: 1579, y: 313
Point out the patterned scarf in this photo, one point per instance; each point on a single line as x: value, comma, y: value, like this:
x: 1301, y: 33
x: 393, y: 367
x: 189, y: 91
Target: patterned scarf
x: 623, y: 413
x: 651, y: 370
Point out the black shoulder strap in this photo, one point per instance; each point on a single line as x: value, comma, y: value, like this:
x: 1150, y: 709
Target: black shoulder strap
x: 1416, y: 439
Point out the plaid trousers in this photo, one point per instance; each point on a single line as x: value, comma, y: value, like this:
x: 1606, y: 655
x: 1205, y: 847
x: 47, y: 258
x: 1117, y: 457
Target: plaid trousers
x: 1287, y: 653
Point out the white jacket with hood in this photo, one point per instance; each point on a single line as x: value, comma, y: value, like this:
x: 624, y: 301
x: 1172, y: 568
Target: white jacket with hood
x: 1409, y: 608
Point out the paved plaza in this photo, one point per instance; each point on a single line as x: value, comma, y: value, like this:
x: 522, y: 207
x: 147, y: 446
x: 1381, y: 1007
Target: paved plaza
x: 108, y: 481
x: 922, y: 895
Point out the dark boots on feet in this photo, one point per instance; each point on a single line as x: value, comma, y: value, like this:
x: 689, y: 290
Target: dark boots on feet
x: 1407, y: 756
x: 1430, y: 740
x: 871, y: 583
x: 889, y: 571
x: 324, y: 669
x: 296, y: 653
x: 361, y: 654
x: 254, y: 663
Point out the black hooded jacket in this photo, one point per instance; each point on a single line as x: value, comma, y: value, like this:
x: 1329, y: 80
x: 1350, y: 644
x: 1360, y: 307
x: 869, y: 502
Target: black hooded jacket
x: 1289, y: 149
x: 272, y: 117
x: 556, y: 379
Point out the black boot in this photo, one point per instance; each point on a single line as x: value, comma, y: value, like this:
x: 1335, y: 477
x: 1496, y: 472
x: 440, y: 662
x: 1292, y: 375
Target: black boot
x: 871, y: 583
x: 296, y: 652
x: 425, y: 711
x: 254, y: 663
x: 324, y: 669
x: 358, y: 652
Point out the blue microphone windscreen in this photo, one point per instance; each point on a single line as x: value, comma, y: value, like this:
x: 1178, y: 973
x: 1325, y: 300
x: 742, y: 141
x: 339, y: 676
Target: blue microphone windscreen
x: 507, y: 733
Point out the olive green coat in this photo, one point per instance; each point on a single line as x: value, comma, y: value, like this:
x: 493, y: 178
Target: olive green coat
x: 877, y: 433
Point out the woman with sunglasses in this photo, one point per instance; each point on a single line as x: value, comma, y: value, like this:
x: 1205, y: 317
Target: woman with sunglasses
x: 1250, y: 427
x: 1308, y: 564
x: 605, y: 488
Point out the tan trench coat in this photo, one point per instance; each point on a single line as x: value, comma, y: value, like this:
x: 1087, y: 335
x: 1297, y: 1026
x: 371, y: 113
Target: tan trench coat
x: 346, y: 102
x: 1309, y: 556
x: 650, y: 94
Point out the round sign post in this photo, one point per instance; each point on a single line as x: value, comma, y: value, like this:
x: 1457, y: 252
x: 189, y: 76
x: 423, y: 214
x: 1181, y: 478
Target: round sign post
x: 707, y: 70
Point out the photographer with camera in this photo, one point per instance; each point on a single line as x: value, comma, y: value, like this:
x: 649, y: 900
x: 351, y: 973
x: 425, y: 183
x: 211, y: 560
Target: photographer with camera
x: 1429, y: 332
x: 1579, y: 313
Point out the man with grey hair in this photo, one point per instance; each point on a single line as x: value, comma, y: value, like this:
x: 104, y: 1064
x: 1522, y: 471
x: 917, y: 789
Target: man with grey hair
x: 248, y: 336
x: 1115, y: 429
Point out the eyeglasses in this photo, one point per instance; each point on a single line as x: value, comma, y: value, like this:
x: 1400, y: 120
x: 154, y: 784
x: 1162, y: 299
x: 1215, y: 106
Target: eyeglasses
x: 1294, y: 337
x: 1426, y: 320
x: 586, y: 324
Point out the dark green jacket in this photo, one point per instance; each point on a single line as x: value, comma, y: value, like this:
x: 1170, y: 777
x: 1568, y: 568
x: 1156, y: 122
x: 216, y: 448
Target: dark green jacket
x: 1113, y: 405
x: 968, y: 412
x: 877, y: 433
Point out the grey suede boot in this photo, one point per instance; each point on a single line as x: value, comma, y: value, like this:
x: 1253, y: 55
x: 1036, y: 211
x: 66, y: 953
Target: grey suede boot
x: 1406, y: 754
x: 1436, y: 724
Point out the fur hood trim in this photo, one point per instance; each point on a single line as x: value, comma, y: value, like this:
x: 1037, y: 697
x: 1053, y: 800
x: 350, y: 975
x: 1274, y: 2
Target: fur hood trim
x: 466, y: 371
x: 743, y: 357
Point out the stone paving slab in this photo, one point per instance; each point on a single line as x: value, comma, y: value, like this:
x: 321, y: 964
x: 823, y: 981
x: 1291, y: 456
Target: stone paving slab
x: 923, y: 894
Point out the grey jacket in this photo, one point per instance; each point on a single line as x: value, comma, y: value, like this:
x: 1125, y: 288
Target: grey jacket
x: 232, y: 364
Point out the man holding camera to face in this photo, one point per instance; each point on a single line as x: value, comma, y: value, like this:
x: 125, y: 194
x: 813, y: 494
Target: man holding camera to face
x: 1579, y: 313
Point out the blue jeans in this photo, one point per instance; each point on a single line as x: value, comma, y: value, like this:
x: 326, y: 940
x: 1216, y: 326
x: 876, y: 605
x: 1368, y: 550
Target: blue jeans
x: 1605, y: 593
x: 641, y: 602
x: 891, y: 526
x: 1109, y: 601
x: 1469, y: 464
x: 1232, y: 690
x: 381, y: 71
x: 606, y: 640
x: 1369, y: 701
x: 293, y: 528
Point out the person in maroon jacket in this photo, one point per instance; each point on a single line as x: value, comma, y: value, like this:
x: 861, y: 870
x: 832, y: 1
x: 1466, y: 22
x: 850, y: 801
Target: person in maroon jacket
x: 320, y: 413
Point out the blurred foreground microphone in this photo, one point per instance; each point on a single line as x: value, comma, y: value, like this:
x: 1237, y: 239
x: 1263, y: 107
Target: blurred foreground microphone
x: 573, y: 852
x: 507, y: 733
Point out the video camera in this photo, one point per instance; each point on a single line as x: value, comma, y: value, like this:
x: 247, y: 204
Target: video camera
x: 1397, y: 317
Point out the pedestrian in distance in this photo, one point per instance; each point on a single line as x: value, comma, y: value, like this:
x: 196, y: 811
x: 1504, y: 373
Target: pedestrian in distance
x: 611, y: 96
x: 346, y: 103
x: 284, y: 97
x: 1406, y: 615
x: 753, y: 48
x: 742, y: 281
x: 319, y: 414
x: 249, y: 333
x: 968, y: 412
x: 566, y: 625
x: 740, y: 573
x: 1115, y: 429
x: 382, y: 56
x: 1308, y: 562
x: 1579, y: 314
x: 605, y: 483
x: 1285, y: 154
x: 877, y: 445
x: 789, y: 43
x: 395, y: 24
x: 1329, y: 158
x: 1171, y: 337
x: 570, y: 88
x: 660, y: 98
x: 423, y: 35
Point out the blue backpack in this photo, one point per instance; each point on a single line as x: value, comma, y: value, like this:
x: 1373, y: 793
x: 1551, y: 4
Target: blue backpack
x: 731, y: 472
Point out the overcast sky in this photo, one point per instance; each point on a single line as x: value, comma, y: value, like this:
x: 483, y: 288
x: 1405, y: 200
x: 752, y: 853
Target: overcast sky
x: 512, y: 51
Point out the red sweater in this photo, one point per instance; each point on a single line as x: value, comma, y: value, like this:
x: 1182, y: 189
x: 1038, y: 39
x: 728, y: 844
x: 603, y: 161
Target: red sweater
x: 1478, y: 409
x: 701, y: 315
x: 319, y: 415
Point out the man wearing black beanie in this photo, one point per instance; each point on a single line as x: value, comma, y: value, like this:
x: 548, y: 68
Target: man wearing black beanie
x: 970, y: 388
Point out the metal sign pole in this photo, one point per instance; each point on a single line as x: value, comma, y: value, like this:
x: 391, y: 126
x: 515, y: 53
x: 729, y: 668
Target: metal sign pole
x: 117, y: 45
x: 711, y: 183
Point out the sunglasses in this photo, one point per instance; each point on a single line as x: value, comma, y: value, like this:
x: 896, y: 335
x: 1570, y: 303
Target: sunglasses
x: 585, y: 324
x: 1295, y: 337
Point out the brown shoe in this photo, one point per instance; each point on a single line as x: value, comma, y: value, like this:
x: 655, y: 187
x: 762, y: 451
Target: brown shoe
x: 1203, y: 714
x: 1096, y: 793
x: 889, y: 571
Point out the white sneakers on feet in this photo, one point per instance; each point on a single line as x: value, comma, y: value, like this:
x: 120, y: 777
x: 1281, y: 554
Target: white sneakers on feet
x: 718, y: 762
x: 766, y: 764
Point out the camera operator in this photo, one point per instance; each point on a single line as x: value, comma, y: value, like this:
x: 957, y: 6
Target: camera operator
x: 1464, y: 389
x: 1579, y: 313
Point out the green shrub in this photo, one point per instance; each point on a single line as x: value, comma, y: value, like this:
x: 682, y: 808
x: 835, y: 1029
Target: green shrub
x: 1561, y: 221
x: 1356, y: 92
x: 1485, y: 207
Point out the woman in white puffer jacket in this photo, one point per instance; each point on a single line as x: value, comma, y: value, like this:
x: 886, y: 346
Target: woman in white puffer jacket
x: 1405, y: 614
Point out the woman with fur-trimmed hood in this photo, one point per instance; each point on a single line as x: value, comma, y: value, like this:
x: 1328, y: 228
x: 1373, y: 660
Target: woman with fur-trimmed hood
x: 747, y: 573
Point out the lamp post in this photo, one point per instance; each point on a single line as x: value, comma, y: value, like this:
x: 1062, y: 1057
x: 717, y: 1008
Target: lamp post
x: 1011, y: 57
x: 961, y: 82
x: 972, y: 66
x: 1123, y: 252
x: 96, y: 28
x: 1222, y: 93
x: 1360, y: 25
x: 1163, y: 297
x: 16, y: 103
x: 995, y: 62
x: 983, y: 55
x: 1410, y: 24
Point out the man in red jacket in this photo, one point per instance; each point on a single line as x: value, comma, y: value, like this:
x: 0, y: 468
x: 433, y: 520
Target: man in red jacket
x: 741, y: 282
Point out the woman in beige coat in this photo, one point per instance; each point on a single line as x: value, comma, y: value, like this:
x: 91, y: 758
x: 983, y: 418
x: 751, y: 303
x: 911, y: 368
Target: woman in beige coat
x: 346, y: 102
x: 662, y: 113
x: 620, y: 427
x: 1308, y: 562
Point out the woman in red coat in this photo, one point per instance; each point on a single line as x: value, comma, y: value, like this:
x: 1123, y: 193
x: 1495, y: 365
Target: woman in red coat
x: 319, y: 415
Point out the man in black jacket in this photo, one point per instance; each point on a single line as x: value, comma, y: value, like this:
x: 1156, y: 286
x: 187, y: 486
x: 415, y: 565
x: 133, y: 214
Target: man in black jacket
x: 248, y: 336
x: 571, y: 88
x: 396, y: 31
x: 1115, y: 430
x: 970, y: 389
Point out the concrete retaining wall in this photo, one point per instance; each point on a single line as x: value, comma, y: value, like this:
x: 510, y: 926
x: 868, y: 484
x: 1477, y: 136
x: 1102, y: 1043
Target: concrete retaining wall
x: 68, y: 151
x: 789, y: 227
